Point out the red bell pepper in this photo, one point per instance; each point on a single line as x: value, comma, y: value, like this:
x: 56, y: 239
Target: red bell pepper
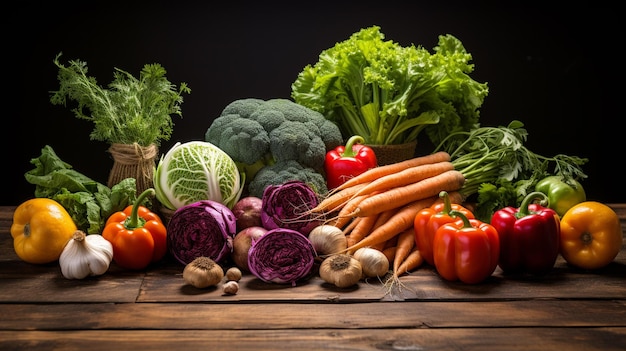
x: 428, y: 220
x: 345, y: 162
x: 138, y: 235
x: 529, y: 236
x: 466, y: 250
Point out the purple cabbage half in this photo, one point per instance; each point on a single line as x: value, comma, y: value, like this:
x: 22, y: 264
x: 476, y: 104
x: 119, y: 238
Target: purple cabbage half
x: 287, y: 205
x: 281, y: 256
x: 203, y: 228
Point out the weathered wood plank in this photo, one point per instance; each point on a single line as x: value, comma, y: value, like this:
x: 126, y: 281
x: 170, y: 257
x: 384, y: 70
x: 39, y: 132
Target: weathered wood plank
x: 163, y: 282
x: 254, y: 316
x: 562, y: 282
x: 36, y: 283
x: 479, y: 339
x: 22, y: 282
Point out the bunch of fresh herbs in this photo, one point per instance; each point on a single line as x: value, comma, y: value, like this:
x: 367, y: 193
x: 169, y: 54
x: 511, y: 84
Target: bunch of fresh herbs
x: 130, y: 110
x: 498, y: 167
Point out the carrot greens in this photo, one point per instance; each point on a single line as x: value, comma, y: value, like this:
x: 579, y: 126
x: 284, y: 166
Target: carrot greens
x: 499, y: 169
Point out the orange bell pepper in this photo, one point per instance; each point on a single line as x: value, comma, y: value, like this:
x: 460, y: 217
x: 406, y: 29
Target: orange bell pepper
x: 467, y: 250
x: 138, y: 236
x: 428, y: 220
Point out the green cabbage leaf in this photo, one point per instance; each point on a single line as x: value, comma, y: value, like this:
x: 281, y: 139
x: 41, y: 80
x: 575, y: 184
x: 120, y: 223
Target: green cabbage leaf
x: 194, y: 171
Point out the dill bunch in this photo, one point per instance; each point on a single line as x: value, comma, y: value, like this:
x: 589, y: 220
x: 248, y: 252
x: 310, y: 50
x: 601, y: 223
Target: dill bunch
x: 129, y: 110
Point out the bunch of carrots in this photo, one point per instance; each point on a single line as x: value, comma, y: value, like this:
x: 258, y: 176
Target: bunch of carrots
x: 377, y: 208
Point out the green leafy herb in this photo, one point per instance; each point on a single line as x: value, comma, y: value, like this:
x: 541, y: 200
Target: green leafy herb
x: 499, y: 169
x: 130, y: 110
x: 388, y: 93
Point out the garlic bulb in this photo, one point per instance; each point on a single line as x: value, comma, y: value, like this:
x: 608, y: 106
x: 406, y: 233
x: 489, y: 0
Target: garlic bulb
x: 203, y: 272
x: 327, y: 239
x: 85, y: 255
x: 374, y: 262
x: 341, y: 270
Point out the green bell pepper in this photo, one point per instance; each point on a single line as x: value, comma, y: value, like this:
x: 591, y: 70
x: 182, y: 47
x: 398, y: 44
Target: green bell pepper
x: 562, y: 193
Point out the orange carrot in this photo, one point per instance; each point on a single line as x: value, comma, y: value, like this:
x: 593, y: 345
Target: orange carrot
x: 348, y: 228
x: 406, y: 242
x: 401, y: 220
x: 410, y: 263
x: 382, y: 219
x: 344, y: 216
x: 405, y: 177
x: 390, y: 253
x: 413, y: 260
x: 362, y: 229
x: 394, y: 198
x: 391, y: 242
x: 377, y: 172
x: 380, y: 246
x: 336, y: 200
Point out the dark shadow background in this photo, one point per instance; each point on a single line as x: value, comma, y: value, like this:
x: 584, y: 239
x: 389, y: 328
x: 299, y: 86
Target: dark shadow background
x: 559, y: 71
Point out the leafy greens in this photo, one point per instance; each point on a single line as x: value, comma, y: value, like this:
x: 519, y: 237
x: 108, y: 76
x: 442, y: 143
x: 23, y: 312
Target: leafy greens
x: 388, y: 93
x: 88, y: 202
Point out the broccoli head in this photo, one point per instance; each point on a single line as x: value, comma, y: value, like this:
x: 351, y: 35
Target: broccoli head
x: 290, y: 141
x: 243, y: 107
x: 243, y: 139
x: 257, y: 133
x: 283, y: 171
x: 274, y: 112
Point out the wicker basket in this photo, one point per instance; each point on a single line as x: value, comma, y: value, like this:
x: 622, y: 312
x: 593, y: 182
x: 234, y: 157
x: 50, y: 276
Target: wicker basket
x: 388, y: 154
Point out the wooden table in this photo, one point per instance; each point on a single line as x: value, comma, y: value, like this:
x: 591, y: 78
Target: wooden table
x: 569, y: 309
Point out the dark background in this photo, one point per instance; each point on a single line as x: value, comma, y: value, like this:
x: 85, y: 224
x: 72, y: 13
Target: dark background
x: 560, y: 70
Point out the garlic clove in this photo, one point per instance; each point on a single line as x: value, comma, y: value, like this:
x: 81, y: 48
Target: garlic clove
x: 102, y: 253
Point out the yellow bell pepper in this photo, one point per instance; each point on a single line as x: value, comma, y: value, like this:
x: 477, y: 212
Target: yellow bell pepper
x: 591, y: 235
x: 41, y: 228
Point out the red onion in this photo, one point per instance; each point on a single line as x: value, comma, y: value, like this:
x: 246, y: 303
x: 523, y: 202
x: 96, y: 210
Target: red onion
x: 281, y: 256
x: 286, y: 206
x: 243, y: 242
x: 203, y: 228
x: 247, y: 211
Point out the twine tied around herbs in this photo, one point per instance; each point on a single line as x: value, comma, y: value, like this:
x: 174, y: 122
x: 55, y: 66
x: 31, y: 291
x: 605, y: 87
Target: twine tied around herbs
x: 133, y: 161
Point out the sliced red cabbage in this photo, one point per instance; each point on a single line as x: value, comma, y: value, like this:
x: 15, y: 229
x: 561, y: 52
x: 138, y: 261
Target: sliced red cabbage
x: 286, y: 206
x: 203, y: 228
x: 282, y: 256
